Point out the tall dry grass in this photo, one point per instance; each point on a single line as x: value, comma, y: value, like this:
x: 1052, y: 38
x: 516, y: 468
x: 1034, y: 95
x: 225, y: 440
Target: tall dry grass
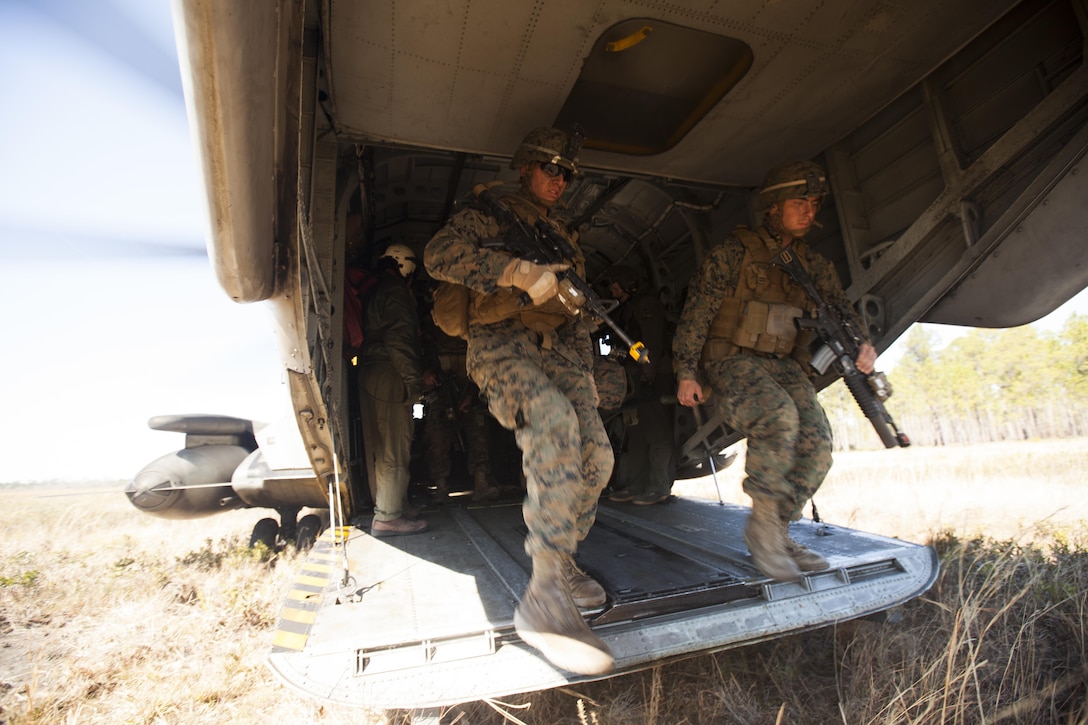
x: 109, y: 616
x: 998, y: 490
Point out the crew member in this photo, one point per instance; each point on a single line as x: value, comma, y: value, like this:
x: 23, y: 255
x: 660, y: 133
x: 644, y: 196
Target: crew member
x: 454, y: 412
x: 737, y: 330
x: 391, y: 383
x: 532, y: 358
x: 646, y: 468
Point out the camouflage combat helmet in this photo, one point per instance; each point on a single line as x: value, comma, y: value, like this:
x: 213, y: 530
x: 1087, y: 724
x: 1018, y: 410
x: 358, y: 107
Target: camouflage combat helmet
x: 795, y: 180
x: 549, y: 145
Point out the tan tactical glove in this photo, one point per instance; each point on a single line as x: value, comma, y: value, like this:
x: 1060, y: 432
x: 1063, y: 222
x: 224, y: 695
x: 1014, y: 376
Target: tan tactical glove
x: 538, y: 280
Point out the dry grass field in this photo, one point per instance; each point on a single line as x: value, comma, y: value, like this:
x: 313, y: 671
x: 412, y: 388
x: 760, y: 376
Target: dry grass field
x: 1023, y: 490
x: 109, y: 616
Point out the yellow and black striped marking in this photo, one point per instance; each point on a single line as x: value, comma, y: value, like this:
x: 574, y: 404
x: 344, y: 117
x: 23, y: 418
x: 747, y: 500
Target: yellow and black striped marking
x: 304, y: 600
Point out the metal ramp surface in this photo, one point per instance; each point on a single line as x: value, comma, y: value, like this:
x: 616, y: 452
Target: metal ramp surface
x: 427, y: 620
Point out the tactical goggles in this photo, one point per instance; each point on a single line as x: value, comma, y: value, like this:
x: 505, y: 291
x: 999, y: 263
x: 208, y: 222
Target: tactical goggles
x: 552, y: 170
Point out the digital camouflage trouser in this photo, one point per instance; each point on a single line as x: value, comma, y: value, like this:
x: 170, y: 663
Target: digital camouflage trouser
x: 440, y: 423
x: 773, y: 403
x: 648, y: 467
x: 548, y: 398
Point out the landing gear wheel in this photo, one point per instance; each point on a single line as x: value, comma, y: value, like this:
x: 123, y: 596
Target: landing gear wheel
x: 265, y: 532
x: 288, y: 525
x: 306, y: 532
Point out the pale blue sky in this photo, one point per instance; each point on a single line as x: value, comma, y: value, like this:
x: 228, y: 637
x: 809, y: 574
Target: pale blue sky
x: 111, y: 313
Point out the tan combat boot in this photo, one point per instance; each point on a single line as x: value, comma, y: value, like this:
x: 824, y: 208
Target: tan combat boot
x: 547, y: 620
x: 482, y: 490
x: 766, y: 540
x: 584, y: 589
x: 805, y: 558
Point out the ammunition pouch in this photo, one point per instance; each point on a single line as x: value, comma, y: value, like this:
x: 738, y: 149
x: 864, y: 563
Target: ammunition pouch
x: 758, y: 315
x: 767, y: 327
x: 762, y: 327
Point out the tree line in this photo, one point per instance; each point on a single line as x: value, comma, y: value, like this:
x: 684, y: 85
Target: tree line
x: 988, y: 385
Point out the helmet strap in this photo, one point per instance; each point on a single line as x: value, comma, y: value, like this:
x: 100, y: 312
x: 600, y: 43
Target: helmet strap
x: 773, y: 221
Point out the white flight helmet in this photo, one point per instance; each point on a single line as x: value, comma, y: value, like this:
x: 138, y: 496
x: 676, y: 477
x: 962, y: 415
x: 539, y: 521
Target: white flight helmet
x: 404, y: 257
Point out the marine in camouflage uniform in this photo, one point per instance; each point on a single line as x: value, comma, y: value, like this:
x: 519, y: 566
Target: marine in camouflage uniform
x: 611, y: 380
x: 391, y: 381
x: 647, y: 468
x: 454, y: 405
x: 737, y: 331
x: 533, y: 363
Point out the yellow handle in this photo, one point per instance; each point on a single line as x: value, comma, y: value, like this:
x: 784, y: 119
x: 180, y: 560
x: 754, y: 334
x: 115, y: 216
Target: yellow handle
x: 617, y: 46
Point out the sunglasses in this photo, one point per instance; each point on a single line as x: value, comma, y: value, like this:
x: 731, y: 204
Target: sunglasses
x: 553, y: 170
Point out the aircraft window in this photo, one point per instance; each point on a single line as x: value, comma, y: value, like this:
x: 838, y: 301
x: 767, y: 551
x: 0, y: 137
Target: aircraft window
x: 646, y: 83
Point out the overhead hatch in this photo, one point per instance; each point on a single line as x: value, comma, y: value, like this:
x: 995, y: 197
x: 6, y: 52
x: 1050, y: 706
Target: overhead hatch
x: 646, y: 83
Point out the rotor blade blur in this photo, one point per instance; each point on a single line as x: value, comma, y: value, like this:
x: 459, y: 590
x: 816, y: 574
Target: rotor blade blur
x: 123, y: 32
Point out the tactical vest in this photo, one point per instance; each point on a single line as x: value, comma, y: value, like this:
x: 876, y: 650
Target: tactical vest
x: 503, y: 304
x: 758, y: 315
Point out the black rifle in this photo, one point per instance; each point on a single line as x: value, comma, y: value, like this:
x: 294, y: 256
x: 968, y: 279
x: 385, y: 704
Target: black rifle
x: 834, y: 324
x: 541, y: 244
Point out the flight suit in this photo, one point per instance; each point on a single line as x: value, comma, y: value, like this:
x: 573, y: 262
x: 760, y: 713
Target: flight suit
x: 391, y: 383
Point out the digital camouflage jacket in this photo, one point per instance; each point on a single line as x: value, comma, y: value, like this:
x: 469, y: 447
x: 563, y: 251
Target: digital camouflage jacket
x: 717, y: 279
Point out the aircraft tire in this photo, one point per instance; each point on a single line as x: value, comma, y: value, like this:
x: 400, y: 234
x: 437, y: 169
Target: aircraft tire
x: 306, y: 532
x: 265, y: 532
